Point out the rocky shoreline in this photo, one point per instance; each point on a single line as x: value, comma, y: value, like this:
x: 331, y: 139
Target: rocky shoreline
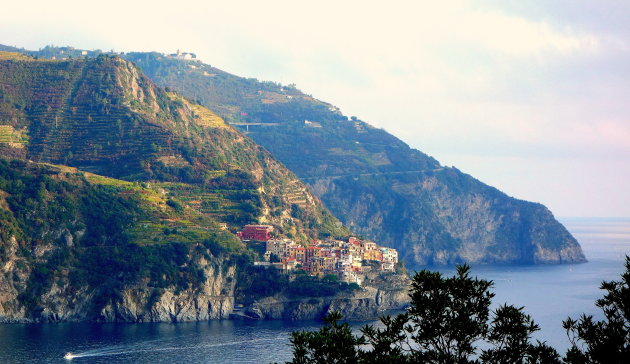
x: 379, y: 293
x: 214, y: 299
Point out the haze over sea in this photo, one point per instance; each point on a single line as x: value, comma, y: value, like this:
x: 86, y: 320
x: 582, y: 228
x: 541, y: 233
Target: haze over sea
x: 549, y: 294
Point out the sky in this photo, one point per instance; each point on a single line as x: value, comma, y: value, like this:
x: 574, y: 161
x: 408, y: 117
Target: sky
x: 527, y: 96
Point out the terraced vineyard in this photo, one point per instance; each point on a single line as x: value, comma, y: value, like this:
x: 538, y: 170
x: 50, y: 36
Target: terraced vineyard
x: 296, y: 194
x: 103, y: 116
x: 14, y: 138
x: 363, y: 174
x: 71, y: 121
x: 221, y: 204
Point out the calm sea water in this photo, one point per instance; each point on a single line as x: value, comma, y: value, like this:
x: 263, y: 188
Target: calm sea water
x: 549, y: 294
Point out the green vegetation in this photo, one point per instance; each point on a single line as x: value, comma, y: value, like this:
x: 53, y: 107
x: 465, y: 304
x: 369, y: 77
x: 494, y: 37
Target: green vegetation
x: 608, y: 340
x: 98, y: 234
x: 333, y: 343
x: 450, y: 321
x: 369, y: 179
x: 40, y: 202
x: 102, y: 116
x: 447, y: 322
x: 8, y: 134
x: 306, y: 286
x: 255, y: 282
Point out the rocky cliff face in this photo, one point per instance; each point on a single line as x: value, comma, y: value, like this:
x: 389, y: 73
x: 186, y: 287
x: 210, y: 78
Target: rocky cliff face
x: 374, y: 182
x: 88, y: 248
x: 12, y: 273
x: 214, y: 299
x: 139, y: 302
x: 379, y: 293
x: 368, y: 178
x: 444, y: 216
x: 211, y: 299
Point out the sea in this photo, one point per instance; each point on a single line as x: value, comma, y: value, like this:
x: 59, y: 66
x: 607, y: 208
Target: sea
x: 549, y: 294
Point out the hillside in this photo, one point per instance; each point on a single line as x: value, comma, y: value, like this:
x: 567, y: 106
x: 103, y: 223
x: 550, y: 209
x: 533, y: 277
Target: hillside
x: 76, y: 246
x: 103, y: 116
x: 114, y: 197
x: 371, y: 180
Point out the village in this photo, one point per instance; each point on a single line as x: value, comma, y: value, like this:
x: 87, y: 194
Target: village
x: 348, y: 260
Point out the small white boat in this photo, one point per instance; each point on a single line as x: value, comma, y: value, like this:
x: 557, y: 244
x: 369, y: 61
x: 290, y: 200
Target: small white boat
x: 69, y: 356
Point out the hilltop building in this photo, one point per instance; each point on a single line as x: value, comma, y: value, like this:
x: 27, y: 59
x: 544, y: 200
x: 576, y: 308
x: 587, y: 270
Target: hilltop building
x: 182, y: 55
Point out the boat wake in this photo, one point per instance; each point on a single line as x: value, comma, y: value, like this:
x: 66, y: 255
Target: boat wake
x: 123, y: 350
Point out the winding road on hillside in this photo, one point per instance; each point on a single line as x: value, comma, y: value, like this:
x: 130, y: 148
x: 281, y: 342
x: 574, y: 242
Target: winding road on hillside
x: 372, y: 174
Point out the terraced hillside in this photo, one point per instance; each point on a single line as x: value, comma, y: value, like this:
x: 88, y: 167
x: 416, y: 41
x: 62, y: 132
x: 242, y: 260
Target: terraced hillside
x: 114, y: 196
x: 77, y: 246
x: 103, y: 116
x: 370, y: 179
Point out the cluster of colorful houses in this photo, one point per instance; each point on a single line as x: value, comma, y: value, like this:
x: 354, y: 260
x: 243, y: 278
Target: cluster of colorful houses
x: 348, y: 260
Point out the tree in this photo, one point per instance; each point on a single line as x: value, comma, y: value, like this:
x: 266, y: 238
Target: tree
x: 448, y: 315
x: 606, y: 341
x: 510, y: 334
x: 333, y: 343
x: 448, y: 319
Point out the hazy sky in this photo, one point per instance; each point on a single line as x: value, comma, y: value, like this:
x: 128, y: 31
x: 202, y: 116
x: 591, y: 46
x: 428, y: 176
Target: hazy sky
x: 528, y: 96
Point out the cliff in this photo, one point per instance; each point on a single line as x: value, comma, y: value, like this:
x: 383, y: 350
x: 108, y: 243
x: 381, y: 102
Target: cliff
x: 378, y: 294
x: 82, y: 247
x: 104, y: 116
x: 368, y: 178
x: 139, y: 302
x: 114, y: 196
x: 444, y: 216
x: 371, y: 180
x: 77, y: 247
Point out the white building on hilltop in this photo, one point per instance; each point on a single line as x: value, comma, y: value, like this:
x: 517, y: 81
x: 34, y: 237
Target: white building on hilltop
x: 183, y: 55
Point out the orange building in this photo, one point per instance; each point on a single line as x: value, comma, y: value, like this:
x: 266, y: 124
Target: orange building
x: 373, y: 255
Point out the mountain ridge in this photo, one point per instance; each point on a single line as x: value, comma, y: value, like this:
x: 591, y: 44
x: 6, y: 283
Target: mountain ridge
x: 344, y: 159
x: 119, y: 202
x: 372, y: 181
x: 102, y: 116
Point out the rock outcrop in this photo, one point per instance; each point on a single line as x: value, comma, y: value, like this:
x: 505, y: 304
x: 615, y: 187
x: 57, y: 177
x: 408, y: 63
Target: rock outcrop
x: 212, y: 299
x: 445, y: 217
x: 378, y: 294
x: 372, y: 181
x: 11, y: 272
x: 62, y: 301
